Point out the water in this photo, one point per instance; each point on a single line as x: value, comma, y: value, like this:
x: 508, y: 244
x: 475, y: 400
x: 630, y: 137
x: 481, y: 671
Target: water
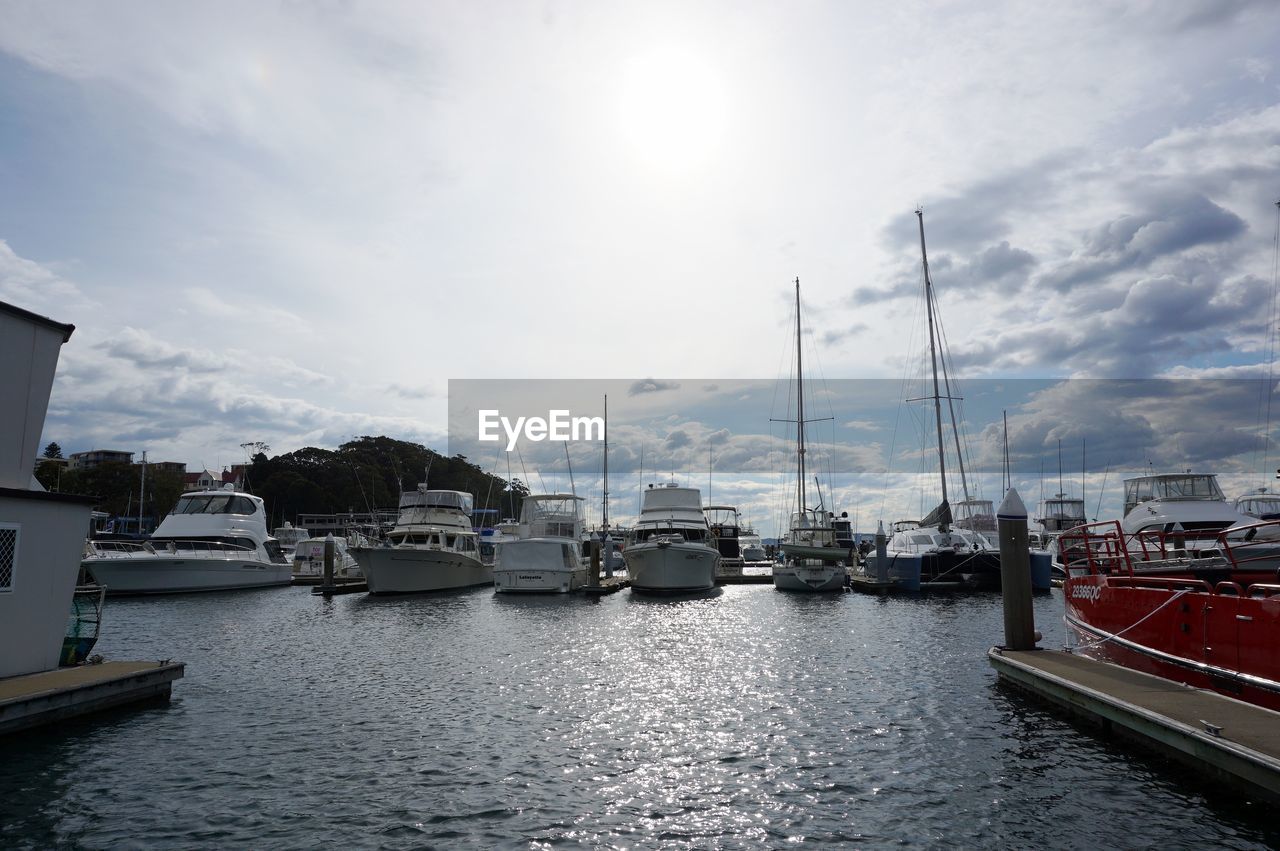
x: 747, y: 719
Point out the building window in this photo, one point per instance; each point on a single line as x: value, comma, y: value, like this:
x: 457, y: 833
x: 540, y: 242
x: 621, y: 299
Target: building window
x: 8, y: 555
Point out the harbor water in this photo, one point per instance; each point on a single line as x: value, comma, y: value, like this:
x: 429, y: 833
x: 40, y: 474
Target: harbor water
x: 748, y: 718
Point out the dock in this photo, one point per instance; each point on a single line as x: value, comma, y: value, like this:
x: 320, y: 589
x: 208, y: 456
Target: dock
x: 871, y: 585
x: 346, y: 586
x: 608, y: 585
x: 1229, y: 739
x: 35, y: 700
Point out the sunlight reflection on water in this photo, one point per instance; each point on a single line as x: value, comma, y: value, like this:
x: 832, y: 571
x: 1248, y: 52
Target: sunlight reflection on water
x: 747, y: 718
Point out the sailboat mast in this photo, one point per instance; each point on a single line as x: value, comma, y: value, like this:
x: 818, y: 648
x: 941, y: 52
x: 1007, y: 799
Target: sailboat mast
x: 799, y: 406
x: 933, y: 358
x: 604, y: 501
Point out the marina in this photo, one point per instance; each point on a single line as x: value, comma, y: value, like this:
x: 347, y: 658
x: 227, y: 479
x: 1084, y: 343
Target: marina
x: 581, y: 720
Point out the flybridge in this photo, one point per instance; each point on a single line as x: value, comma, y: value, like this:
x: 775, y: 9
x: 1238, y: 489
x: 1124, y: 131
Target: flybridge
x: 558, y: 425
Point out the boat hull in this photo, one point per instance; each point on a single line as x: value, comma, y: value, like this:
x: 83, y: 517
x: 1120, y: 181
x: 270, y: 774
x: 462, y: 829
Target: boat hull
x: 535, y: 566
x: 1181, y: 630
x: 801, y: 577
x: 164, y: 574
x: 411, y: 570
x: 667, y: 568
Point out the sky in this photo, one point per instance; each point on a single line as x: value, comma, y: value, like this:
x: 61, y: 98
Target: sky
x: 298, y: 223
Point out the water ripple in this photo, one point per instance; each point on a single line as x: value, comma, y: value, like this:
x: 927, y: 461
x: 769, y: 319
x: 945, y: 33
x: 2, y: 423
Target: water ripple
x: 744, y: 719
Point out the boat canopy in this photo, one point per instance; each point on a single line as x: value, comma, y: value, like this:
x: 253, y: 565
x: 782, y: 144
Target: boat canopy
x: 722, y: 515
x: 1263, y: 506
x: 450, y: 500
x: 1198, y: 486
x: 215, y: 503
x: 551, y: 515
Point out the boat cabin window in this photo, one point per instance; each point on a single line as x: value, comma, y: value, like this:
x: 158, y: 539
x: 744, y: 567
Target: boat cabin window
x: 1189, y: 486
x: 214, y: 504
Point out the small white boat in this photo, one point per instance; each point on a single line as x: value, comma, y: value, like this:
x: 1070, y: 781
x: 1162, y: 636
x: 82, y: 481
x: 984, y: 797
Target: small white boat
x: 211, y: 541
x: 751, y: 545
x: 671, y: 549
x: 431, y: 548
x: 308, y: 559
x: 546, y: 557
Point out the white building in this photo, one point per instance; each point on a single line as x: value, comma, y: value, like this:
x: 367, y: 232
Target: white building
x: 41, y: 534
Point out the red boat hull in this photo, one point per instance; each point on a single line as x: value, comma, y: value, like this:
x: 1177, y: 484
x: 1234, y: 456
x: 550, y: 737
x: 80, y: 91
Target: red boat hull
x: 1223, y: 636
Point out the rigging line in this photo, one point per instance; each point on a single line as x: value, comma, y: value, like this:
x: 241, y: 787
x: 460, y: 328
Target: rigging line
x: 1272, y: 331
x: 944, y: 348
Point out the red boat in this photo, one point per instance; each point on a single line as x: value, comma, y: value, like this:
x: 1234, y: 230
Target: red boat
x: 1209, y: 618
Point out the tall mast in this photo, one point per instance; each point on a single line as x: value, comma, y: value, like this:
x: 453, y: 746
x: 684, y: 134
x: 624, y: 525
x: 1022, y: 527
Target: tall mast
x: 933, y: 357
x: 604, y: 507
x: 799, y: 405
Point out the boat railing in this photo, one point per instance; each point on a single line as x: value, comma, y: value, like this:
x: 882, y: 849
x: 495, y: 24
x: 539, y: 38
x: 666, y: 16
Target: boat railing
x: 1096, y: 548
x: 187, y: 549
x: 1247, y: 547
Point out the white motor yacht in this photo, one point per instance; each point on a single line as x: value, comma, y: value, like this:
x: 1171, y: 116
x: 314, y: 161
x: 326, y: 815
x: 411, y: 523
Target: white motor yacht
x: 671, y: 549
x: 431, y: 548
x: 211, y: 541
x: 546, y: 557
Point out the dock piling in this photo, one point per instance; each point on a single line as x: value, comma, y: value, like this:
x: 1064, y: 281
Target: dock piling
x: 329, y: 548
x: 1015, y: 573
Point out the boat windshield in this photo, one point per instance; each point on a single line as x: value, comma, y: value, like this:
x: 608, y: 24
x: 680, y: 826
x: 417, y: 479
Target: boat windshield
x: 453, y: 500
x: 214, y: 504
x: 1259, y: 506
x: 1180, y: 486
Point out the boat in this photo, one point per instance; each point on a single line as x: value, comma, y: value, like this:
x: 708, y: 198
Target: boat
x: 671, y: 549
x: 1208, y: 618
x: 546, y: 557
x: 432, y: 547
x: 1060, y: 513
x: 726, y: 525
x: 308, y: 559
x: 937, y: 552
x: 213, y: 540
x: 751, y: 545
x: 1259, y: 504
x: 289, y: 536
x: 1191, y: 504
x: 812, y: 560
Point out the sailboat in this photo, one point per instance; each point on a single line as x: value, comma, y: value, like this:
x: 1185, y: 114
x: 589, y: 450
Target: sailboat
x: 949, y: 556
x: 812, y: 559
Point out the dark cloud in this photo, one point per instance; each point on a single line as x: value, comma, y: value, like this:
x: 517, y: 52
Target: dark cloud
x: 677, y: 439
x: 651, y: 386
x: 1167, y: 226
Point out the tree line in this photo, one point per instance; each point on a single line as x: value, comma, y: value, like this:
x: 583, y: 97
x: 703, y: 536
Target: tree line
x: 364, y: 474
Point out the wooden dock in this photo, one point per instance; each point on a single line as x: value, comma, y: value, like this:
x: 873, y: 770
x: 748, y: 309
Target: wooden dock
x: 746, y: 579
x: 871, y: 585
x: 345, y: 586
x: 34, y: 700
x: 1230, y: 739
x: 608, y: 585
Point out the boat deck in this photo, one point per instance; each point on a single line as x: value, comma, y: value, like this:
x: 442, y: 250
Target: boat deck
x: 33, y: 700
x: 1232, y: 739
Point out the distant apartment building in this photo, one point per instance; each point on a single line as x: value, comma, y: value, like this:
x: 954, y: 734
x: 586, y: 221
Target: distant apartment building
x: 167, y: 467
x: 97, y: 457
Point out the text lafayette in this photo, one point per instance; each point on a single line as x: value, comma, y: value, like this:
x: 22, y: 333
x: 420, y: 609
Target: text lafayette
x: 558, y: 425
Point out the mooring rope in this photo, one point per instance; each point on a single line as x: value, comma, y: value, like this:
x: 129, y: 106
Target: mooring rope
x: 1088, y: 644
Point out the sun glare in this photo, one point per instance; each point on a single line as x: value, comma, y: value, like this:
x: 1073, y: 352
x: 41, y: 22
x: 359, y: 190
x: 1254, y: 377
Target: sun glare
x: 672, y: 109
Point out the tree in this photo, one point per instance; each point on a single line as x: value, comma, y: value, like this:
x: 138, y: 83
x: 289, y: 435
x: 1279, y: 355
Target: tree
x: 53, y: 450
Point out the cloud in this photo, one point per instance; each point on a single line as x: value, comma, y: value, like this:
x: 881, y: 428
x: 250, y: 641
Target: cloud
x: 651, y: 386
x: 145, y: 351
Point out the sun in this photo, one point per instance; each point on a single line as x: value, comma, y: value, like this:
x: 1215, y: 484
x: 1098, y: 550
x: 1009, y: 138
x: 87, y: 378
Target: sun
x: 672, y: 108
